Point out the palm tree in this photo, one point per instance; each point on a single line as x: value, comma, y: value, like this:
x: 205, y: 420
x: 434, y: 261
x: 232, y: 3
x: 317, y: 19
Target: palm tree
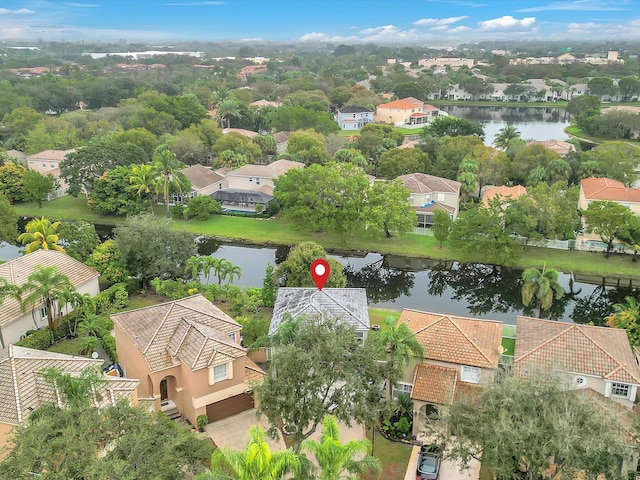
x: 143, y: 180
x: 226, y: 109
x: 90, y: 325
x: 257, y: 462
x: 194, y: 266
x: 541, y: 285
x: 165, y: 167
x: 40, y: 233
x: 208, y: 263
x: 339, y: 461
x: 220, y: 95
x: 89, y: 344
x: 43, y: 288
x: 627, y: 315
x: 219, y: 267
x: 401, y: 344
x: 506, y: 136
x: 231, y: 271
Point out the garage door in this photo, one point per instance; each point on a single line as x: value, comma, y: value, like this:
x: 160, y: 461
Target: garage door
x: 230, y: 406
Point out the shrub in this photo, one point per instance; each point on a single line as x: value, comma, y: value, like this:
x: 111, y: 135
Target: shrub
x: 113, y: 298
x: 201, y: 207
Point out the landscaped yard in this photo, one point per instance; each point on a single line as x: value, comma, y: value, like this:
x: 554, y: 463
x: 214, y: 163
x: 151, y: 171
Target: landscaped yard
x: 393, y: 456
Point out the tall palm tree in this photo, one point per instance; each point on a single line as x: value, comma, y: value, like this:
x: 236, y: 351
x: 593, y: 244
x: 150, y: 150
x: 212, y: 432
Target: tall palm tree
x: 506, y: 136
x: 41, y: 233
x: 257, y: 462
x: 43, y: 288
x: 165, y: 167
x: 194, y: 266
x: 208, y: 263
x: 143, y: 180
x: 541, y: 285
x: 231, y: 271
x: 226, y: 109
x: 220, y: 95
x: 401, y: 344
x: 339, y: 461
x: 219, y: 267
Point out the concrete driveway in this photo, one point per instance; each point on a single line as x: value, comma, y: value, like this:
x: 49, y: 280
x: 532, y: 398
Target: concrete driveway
x: 233, y: 432
x: 448, y: 470
x: 354, y: 432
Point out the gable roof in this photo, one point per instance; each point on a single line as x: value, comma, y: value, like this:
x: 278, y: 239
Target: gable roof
x: 190, y: 331
x: 273, y: 170
x: 513, y: 192
x: 423, y: 183
x: 241, y: 131
x: 17, y: 271
x: 465, y: 341
x: 55, y: 155
x: 608, y: 189
x: 354, y: 109
x: 400, y: 105
x: 434, y: 384
x: 414, y: 101
x: 201, y: 176
x: 601, y: 351
x: 281, y: 137
x: 346, y: 304
x: 23, y: 389
x: 558, y: 146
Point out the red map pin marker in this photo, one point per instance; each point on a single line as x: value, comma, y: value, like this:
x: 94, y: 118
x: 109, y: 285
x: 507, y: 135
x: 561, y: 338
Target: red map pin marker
x: 320, y: 272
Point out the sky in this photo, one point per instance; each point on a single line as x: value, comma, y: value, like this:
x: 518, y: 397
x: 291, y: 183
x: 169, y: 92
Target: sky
x: 428, y: 22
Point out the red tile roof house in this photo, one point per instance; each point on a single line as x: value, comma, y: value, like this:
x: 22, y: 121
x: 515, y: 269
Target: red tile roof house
x: 596, y: 358
x: 187, y: 355
x: 407, y: 112
x: 593, y: 188
x: 460, y: 353
x: 502, y: 192
x: 429, y: 193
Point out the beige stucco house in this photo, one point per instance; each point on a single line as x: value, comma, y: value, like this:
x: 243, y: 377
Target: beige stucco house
x: 596, y: 358
x: 406, y: 112
x: 429, y: 193
x: 187, y: 355
x: 460, y: 354
x: 502, y: 192
x: 592, y: 189
x: 204, y: 180
x: 49, y: 161
x: 14, y: 323
x: 23, y: 388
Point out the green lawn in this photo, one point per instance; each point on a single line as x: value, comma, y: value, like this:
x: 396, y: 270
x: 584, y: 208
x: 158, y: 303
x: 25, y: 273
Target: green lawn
x: 72, y: 346
x: 65, y: 208
x: 378, y: 315
x: 393, y: 457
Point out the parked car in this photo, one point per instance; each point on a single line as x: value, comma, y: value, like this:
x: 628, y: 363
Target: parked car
x: 428, y: 463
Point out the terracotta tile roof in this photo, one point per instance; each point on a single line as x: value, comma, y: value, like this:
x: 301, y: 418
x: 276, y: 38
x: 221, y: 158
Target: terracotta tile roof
x: 513, y: 192
x: 281, y: 137
x: 423, y: 183
x: 467, y: 391
x: 418, y: 114
x: 599, y: 351
x: 273, y: 170
x: 188, y: 330
x: 434, y: 384
x: 252, y: 372
x: 17, y: 271
x: 201, y: 176
x: 23, y: 389
x: 51, y: 155
x: 557, y: 146
x: 608, y: 189
x: 399, y: 105
x: 465, y: 341
x: 414, y: 101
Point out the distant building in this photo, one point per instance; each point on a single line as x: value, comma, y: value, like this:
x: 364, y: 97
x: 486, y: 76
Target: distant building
x: 353, y: 118
x: 454, y: 62
x: 430, y: 193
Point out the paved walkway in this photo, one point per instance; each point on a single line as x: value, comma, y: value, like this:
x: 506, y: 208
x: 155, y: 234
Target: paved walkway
x: 233, y: 432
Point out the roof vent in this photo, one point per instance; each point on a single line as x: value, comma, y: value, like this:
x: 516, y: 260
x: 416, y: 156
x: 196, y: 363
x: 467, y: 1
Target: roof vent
x: 580, y: 381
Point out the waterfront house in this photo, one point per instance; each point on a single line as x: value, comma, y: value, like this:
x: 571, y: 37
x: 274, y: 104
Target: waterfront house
x: 429, y: 193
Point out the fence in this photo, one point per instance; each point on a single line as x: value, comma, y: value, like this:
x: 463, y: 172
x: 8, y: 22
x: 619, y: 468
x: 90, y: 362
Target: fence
x: 57, y: 194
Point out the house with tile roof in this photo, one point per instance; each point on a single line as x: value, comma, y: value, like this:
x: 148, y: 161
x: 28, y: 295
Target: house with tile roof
x: 250, y: 185
x: 23, y: 388
x: 353, y: 118
x: 348, y: 305
x: 187, y: 355
x: 48, y: 162
x: 597, y: 358
x: 502, y: 192
x: 429, y: 193
x: 557, y: 146
x: 14, y: 323
x: 592, y: 189
x: 460, y: 353
x: 204, y: 180
x: 406, y: 112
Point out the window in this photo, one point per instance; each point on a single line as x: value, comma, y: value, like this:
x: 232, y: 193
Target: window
x: 250, y: 179
x: 620, y: 390
x: 232, y: 335
x: 43, y: 313
x: 360, y: 337
x: 470, y: 374
x: 401, y: 388
x: 441, y: 197
x: 44, y: 164
x: 257, y: 181
x: 220, y: 373
x: 53, y: 165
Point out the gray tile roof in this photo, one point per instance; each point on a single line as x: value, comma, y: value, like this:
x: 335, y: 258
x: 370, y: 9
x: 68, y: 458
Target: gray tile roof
x: 346, y: 304
x: 273, y: 170
x: 17, y: 271
x: 423, y: 183
x: 23, y: 389
x: 190, y: 331
x: 201, y: 176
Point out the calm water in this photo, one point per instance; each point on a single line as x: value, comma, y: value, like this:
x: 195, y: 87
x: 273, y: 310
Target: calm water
x: 533, y: 123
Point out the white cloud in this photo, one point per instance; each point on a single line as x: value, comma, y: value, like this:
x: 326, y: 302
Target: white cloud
x: 507, y: 23
x: 439, y: 21
x: 20, y: 11
x: 578, y: 5
x: 323, y: 37
x: 460, y: 29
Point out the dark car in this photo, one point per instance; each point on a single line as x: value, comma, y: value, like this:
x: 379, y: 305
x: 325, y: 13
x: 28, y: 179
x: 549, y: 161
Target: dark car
x: 428, y: 463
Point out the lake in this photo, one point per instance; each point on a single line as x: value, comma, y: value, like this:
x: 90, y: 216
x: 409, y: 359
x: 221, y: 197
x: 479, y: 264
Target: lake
x: 546, y: 123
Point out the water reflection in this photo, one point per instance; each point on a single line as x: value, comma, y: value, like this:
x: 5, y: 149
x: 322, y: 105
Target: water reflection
x: 383, y: 284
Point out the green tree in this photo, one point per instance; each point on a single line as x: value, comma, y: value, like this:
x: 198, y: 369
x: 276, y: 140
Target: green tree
x: 194, y: 266
x: 42, y: 289
x: 143, y: 180
x: 80, y: 239
x: 202, y: 207
x: 238, y: 144
x: 629, y: 87
x: 583, y: 103
x: 337, y: 460
x: 308, y: 147
x: 166, y: 166
x: 108, y: 261
x: 257, y: 462
x: 468, y: 178
x: 448, y: 126
x: 543, y: 286
x: 608, y: 220
x: 138, y: 136
x: 400, y: 161
x: 627, y: 315
x: 350, y: 155
x: 226, y: 109
x: 529, y: 158
x: 8, y: 221
x: 188, y: 148
x: 321, y: 368
x: 269, y: 286
x: 139, y: 240
x: 389, y: 209
x: 442, y: 224
x: 295, y: 270
x: 112, y: 193
x: 449, y: 154
x: 618, y: 160
x: 37, y: 186
x: 506, y: 136
x: 515, y: 425
x: 601, y: 86
x: 41, y: 233
x: 12, y: 182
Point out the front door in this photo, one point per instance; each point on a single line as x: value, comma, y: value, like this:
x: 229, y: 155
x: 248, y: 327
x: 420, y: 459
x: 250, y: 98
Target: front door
x: 163, y: 390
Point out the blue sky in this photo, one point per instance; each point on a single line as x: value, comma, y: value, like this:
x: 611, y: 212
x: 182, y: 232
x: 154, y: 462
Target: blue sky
x: 414, y: 21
